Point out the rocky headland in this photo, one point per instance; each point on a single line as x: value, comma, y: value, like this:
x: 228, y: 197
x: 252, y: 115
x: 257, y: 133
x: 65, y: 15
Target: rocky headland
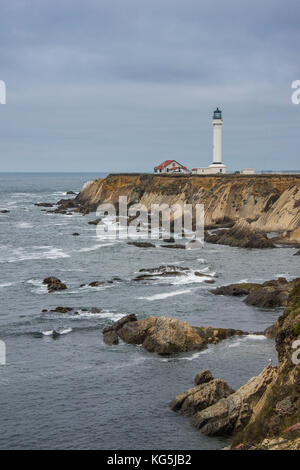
x: 250, y: 206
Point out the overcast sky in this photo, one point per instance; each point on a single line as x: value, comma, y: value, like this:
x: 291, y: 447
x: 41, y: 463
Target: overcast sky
x: 121, y: 85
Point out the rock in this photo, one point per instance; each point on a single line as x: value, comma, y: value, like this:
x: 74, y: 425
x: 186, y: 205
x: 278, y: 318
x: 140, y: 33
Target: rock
x: 142, y: 244
x: 96, y: 283
x: 95, y: 310
x: 231, y: 414
x: 169, y: 240
x: 175, y: 245
x: 71, y: 192
x: 44, y: 204
x: 272, y: 331
x: 4, y: 211
x: 62, y: 309
x: 200, y: 397
x: 203, y: 376
x: 161, y: 335
x: 209, y: 281
x: 267, y: 298
x: 111, y: 337
x: 213, y: 335
x: 242, y: 235
x: 292, y: 431
x: 236, y: 290
x: 163, y: 268
x: 145, y: 277
x: 297, y: 253
x: 54, y: 284
x: 94, y: 222
x: 75, y: 234
x: 270, y: 294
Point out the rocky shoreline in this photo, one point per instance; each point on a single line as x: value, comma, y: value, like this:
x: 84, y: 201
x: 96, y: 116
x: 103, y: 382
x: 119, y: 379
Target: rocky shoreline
x: 241, y: 212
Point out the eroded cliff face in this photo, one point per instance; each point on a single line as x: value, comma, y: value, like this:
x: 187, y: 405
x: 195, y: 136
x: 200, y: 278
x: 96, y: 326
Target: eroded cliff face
x: 271, y: 203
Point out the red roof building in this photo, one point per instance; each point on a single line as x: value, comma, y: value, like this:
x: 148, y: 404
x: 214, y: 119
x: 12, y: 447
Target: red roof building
x: 170, y: 166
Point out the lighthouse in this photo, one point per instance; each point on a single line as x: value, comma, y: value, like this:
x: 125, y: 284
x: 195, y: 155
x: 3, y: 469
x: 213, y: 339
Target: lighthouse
x: 217, y: 142
x: 217, y: 167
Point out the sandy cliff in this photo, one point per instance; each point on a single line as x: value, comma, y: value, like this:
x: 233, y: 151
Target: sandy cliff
x: 272, y: 203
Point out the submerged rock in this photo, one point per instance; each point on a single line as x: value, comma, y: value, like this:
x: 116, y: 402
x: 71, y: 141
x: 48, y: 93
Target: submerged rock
x: 54, y: 284
x: 142, y: 244
x: 175, y: 245
x: 94, y: 222
x: 44, y: 204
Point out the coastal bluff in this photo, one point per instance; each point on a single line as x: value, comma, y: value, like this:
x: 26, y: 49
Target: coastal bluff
x: 269, y: 202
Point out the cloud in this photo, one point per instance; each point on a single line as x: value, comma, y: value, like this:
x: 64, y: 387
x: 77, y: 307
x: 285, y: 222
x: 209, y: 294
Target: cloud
x: 115, y: 85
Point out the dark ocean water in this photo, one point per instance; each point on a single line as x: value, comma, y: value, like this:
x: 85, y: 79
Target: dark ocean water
x: 75, y: 392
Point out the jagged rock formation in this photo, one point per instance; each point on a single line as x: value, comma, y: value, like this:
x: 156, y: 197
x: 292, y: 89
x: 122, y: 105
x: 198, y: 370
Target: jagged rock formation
x: 163, y: 335
x: 230, y: 414
x: 207, y: 392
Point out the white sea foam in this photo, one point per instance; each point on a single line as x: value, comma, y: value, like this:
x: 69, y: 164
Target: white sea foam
x: 6, y: 284
x: 235, y: 344
x: 65, y: 331
x: 24, y: 225
x: 94, y: 247
x: 47, y: 333
x: 190, y: 278
x: 39, y: 252
x: 255, y: 337
x: 165, y: 295
x: 191, y: 357
x: 39, y: 287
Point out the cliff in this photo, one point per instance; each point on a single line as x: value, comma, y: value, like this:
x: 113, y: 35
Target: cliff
x: 275, y: 420
x: 271, y: 203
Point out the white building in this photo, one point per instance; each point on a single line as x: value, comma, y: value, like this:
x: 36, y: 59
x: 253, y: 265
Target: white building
x: 171, y: 166
x: 217, y: 165
x: 247, y: 171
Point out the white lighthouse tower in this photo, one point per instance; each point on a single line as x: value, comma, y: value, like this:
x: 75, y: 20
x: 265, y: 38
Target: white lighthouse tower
x: 217, y: 164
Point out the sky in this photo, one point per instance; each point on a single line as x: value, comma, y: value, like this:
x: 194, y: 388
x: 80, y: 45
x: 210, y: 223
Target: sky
x: 122, y: 85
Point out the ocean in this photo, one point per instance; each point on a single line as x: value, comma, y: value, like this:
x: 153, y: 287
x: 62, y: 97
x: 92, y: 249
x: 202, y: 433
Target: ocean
x: 75, y: 392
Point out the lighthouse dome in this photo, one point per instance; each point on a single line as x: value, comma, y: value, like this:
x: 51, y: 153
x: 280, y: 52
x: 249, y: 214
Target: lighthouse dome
x: 217, y: 114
